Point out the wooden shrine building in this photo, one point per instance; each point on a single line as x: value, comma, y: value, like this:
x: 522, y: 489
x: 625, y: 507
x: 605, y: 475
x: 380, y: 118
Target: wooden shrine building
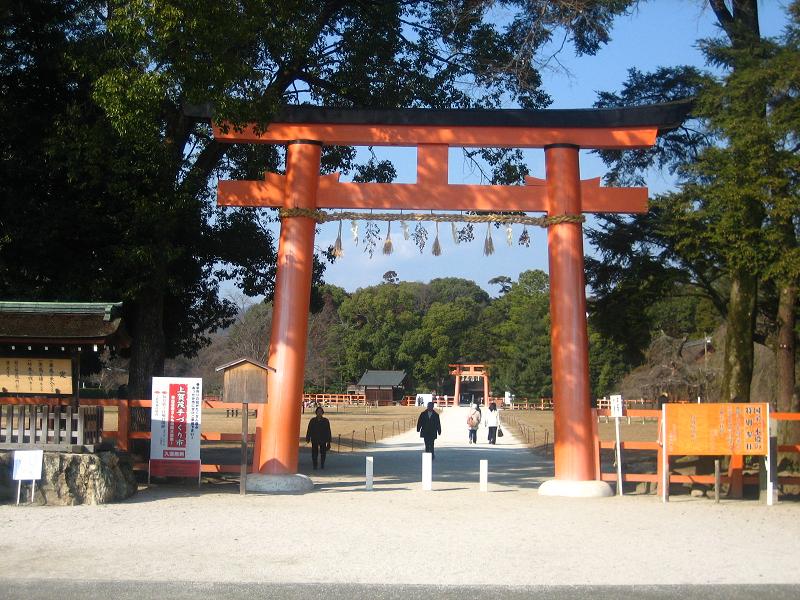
x: 382, y: 387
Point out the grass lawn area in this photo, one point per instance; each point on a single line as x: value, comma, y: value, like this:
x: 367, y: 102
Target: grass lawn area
x: 353, y: 427
x: 537, y: 422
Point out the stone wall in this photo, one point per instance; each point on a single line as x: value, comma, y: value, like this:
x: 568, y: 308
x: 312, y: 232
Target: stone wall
x: 69, y: 479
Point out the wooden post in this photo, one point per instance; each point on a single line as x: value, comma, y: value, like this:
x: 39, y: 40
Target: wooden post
x: 595, y: 444
x: 76, y: 376
x: 21, y: 424
x: 659, y: 456
x: 81, y: 439
x: 68, y: 441
x: 735, y: 473
x: 123, y: 424
x: 243, y: 469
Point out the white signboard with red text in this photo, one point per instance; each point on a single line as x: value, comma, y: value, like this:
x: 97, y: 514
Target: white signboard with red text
x: 175, y: 426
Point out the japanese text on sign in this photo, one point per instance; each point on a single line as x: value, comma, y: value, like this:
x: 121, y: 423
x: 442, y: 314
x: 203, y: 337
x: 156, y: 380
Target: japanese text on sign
x: 175, y: 426
x: 36, y: 375
x: 717, y: 429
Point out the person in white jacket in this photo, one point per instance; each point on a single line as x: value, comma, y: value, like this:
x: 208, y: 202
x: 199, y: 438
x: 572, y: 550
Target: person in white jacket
x: 492, y: 421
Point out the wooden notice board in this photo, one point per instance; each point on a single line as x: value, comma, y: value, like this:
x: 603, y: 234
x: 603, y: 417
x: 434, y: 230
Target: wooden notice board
x: 717, y: 429
x: 23, y: 375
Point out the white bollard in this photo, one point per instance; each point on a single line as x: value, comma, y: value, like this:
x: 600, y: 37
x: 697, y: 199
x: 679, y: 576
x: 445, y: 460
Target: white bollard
x: 427, y: 471
x: 484, y: 475
x: 369, y: 472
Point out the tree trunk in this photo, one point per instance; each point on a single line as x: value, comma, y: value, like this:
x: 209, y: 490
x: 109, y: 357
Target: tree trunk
x: 738, y: 370
x: 787, y: 399
x: 147, y: 360
x: 148, y: 348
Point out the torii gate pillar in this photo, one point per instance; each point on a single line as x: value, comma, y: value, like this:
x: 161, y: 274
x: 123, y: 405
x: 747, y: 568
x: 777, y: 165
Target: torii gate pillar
x: 276, y: 449
x: 569, y: 340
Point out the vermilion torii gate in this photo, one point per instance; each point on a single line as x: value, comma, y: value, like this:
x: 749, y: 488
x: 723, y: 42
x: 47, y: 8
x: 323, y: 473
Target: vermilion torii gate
x: 562, y: 133
x: 473, y: 372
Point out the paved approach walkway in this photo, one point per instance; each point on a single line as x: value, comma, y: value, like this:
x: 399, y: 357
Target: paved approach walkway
x: 343, y: 540
x: 398, y: 461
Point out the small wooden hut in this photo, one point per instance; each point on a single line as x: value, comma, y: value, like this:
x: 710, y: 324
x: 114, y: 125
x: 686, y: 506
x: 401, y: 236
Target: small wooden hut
x: 383, y: 387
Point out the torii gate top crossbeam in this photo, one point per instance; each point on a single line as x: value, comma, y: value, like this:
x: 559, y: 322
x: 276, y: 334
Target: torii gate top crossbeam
x: 433, y: 132
x: 613, y: 128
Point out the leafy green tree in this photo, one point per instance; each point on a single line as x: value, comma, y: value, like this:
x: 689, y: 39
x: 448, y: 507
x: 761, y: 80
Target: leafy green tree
x: 437, y: 341
x: 118, y: 165
x: 451, y: 289
x: 607, y: 364
x: 324, y: 351
x: 503, y: 281
x: 520, y: 335
x: 728, y: 223
x: 373, y: 323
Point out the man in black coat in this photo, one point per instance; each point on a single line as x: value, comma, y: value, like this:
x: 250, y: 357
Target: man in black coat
x: 429, y: 427
x: 319, y: 434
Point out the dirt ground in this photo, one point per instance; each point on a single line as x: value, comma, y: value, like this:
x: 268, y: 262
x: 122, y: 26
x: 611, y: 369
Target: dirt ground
x: 540, y: 422
x: 398, y: 533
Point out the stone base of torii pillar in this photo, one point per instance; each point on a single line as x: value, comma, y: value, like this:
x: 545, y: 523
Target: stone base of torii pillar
x: 295, y: 483
x: 575, y: 489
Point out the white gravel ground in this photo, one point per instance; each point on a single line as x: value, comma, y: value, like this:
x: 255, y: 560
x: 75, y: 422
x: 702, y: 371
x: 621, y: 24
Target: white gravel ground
x: 454, y: 535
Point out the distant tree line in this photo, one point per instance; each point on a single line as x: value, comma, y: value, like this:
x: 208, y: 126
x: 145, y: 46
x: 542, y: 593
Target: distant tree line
x: 422, y: 328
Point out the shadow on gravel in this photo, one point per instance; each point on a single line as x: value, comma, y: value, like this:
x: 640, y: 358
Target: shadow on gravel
x: 510, y: 468
x: 397, y: 467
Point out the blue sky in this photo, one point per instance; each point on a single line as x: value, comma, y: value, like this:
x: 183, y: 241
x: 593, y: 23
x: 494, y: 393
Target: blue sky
x: 658, y: 33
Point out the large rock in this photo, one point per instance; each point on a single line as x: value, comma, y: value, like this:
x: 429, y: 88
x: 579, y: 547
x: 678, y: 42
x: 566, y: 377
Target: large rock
x: 69, y: 479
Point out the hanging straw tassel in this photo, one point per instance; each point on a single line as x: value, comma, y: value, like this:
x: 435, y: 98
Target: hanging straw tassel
x: 509, y: 235
x: 525, y: 238
x: 338, y: 251
x: 406, y: 234
x: 488, y: 244
x: 354, y: 231
x: 387, y: 245
x: 454, y: 231
x: 436, y: 249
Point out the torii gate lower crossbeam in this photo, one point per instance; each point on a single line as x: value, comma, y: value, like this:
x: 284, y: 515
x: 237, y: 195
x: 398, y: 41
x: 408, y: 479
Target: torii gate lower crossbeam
x: 561, y: 133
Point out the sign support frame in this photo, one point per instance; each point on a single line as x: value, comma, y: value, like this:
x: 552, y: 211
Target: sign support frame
x: 765, y: 452
x: 617, y: 408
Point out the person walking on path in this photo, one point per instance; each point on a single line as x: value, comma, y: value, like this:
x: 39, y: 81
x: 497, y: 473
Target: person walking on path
x: 429, y: 427
x: 319, y: 434
x: 492, y: 422
x: 473, y: 422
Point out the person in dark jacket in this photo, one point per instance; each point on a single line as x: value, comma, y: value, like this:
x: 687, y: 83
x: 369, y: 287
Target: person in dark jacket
x: 429, y: 427
x: 319, y: 434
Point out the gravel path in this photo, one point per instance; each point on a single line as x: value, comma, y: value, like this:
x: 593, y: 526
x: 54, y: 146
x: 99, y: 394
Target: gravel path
x: 401, y: 535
